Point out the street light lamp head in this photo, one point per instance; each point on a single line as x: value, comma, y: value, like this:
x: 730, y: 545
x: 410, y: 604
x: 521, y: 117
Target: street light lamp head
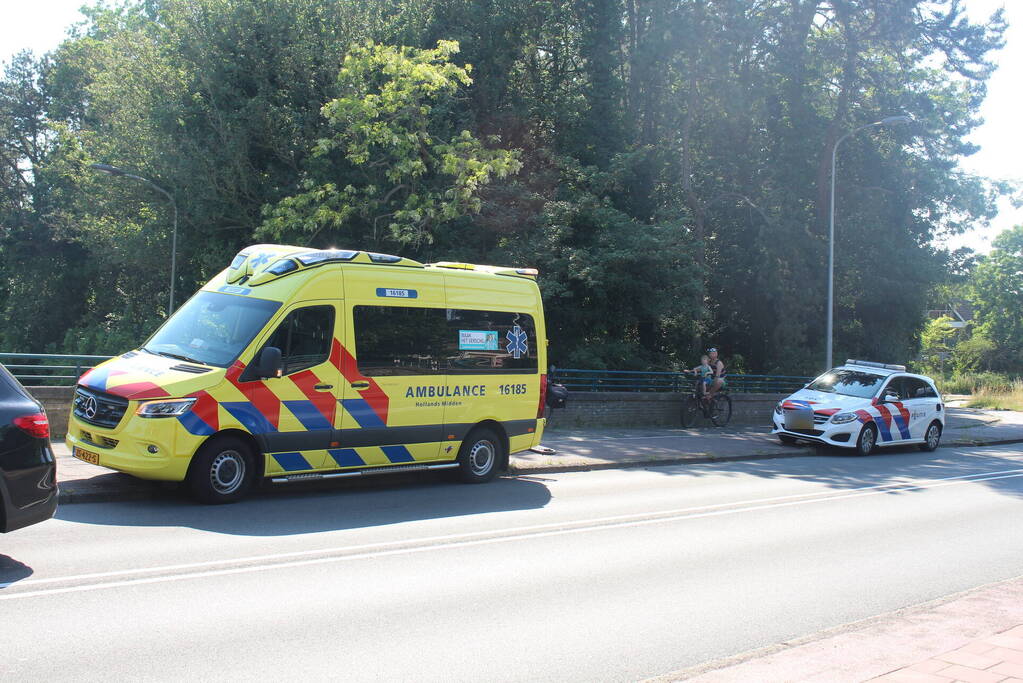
x: 893, y: 120
x: 106, y: 168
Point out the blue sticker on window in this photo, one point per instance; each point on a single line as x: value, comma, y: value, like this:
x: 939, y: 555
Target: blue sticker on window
x: 230, y: 289
x: 397, y: 293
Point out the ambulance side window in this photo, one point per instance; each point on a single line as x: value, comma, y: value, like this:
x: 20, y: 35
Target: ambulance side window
x: 304, y: 337
x: 399, y: 340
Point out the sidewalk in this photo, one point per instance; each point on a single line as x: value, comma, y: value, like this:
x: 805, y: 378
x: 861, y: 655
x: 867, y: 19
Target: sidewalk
x: 582, y: 449
x: 973, y: 636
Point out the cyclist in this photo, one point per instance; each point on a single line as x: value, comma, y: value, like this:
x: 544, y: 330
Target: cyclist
x: 717, y: 367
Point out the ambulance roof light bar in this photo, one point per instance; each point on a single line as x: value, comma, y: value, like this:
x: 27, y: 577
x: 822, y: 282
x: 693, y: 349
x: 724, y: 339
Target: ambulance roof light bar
x: 872, y: 364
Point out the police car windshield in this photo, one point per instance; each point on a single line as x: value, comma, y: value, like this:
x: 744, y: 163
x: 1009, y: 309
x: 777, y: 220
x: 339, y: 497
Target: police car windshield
x: 211, y: 328
x: 848, y: 383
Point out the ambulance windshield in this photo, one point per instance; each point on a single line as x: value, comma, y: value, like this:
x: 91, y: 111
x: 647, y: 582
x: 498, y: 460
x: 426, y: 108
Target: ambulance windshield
x: 211, y: 328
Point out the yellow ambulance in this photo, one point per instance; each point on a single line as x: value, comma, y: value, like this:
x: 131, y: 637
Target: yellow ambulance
x: 297, y: 363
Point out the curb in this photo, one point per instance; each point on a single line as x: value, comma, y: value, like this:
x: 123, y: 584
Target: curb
x: 633, y: 464
x: 150, y: 491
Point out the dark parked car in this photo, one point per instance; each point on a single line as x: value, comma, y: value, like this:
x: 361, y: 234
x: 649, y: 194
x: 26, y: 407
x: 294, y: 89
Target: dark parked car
x: 28, y: 472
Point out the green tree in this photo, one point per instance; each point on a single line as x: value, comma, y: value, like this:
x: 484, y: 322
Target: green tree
x: 407, y: 167
x: 998, y: 297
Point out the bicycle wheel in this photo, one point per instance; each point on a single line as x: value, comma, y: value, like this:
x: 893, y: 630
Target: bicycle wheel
x: 721, y: 412
x: 690, y: 411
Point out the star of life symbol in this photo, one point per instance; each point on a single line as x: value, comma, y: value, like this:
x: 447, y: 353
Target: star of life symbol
x: 516, y: 342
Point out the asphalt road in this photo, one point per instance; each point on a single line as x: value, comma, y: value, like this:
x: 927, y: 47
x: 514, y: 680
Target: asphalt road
x: 607, y: 575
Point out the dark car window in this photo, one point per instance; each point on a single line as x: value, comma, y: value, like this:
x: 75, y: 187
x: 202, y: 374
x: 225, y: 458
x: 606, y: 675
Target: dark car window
x: 9, y: 385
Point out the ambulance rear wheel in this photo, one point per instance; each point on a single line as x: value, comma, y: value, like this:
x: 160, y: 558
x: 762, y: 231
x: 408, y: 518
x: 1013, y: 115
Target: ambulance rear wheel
x: 222, y: 471
x: 479, y: 457
x: 867, y: 441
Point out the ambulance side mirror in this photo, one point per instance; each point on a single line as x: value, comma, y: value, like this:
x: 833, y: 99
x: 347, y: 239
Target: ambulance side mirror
x: 270, y: 364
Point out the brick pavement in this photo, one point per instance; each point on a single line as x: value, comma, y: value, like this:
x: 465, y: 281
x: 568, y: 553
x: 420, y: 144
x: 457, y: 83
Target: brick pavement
x: 994, y: 659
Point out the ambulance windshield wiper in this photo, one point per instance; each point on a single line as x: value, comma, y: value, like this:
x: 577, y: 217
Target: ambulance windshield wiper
x: 176, y: 356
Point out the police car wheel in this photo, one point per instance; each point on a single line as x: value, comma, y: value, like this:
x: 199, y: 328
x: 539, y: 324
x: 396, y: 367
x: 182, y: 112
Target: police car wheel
x: 479, y: 456
x: 867, y: 441
x: 932, y: 438
x: 221, y: 471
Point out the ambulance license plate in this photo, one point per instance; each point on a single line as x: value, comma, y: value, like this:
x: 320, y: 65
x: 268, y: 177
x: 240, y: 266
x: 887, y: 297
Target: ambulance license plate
x: 87, y: 456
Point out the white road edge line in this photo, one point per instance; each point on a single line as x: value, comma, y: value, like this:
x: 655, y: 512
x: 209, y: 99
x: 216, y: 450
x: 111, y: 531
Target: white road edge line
x: 597, y: 524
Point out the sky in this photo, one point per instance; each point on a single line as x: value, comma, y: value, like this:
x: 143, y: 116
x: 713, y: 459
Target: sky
x: 40, y: 25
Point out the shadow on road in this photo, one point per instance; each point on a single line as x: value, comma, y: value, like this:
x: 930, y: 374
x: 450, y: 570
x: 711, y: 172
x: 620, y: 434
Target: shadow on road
x: 326, y: 506
x: 838, y: 469
x: 12, y: 571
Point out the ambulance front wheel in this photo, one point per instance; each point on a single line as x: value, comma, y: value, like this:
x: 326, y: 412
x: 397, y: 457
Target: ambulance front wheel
x: 479, y: 456
x: 222, y: 471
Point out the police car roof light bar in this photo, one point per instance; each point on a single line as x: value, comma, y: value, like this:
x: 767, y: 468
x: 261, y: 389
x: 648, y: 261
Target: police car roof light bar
x: 872, y: 364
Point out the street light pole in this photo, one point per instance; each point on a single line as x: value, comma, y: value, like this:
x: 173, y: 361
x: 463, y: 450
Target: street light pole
x: 114, y: 171
x: 888, y: 121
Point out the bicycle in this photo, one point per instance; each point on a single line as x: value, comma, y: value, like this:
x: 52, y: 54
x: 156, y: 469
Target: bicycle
x: 718, y: 410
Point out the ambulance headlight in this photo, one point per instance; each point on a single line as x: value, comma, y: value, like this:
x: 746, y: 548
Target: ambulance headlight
x: 169, y: 408
x: 842, y: 418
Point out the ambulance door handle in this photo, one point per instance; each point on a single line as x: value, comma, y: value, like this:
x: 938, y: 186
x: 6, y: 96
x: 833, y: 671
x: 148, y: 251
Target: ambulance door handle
x: 360, y: 385
x: 323, y: 387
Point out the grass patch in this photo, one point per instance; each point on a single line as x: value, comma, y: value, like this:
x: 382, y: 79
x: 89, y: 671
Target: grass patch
x: 1009, y: 398
x: 976, y: 383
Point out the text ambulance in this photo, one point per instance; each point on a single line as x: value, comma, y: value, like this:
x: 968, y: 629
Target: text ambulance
x: 297, y: 364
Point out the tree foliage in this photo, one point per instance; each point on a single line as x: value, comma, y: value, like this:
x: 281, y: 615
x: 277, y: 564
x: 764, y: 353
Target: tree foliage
x: 665, y: 163
x: 998, y: 297
x: 408, y: 169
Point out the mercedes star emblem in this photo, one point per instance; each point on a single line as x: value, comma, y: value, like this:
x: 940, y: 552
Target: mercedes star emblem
x: 90, y: 407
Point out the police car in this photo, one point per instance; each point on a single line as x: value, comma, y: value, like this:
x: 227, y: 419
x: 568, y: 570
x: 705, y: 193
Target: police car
x: 863, y: 405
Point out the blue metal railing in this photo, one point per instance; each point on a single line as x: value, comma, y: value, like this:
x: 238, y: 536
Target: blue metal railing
x: 48, y: 369
x: 35, y: 369
x: 635, y: 380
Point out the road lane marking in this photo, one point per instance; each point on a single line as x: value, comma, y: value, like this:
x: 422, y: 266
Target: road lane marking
x: 467, y: 539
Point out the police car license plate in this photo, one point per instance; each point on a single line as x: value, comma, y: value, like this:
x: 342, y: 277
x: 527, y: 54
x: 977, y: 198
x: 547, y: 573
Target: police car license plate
x: 87, y: 456
x: 799, y: 419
